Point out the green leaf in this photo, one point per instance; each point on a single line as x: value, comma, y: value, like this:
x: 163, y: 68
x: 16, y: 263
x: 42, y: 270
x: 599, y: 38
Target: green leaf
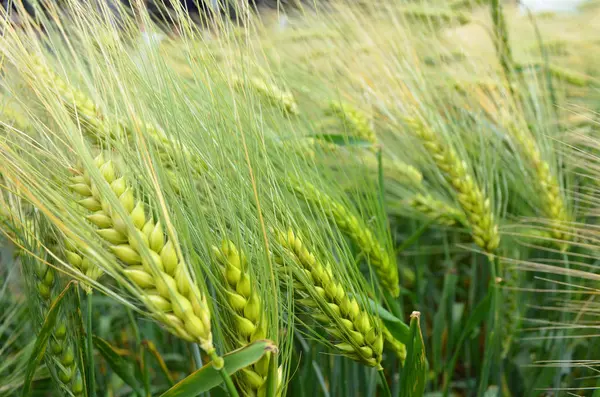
x: 39, y: 349
x: 477, y: 316
x: 399, y: 330
x: 123, y: 367
x: 415, y: 370
x: 208, y: 377
x: 343, y: 140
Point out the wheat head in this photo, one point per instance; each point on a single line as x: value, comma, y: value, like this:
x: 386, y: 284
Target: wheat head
x: 324, y: 296
x: 249, y: 318
x: 384, y: 266
x: 471, y: 198
x: 168, y: 291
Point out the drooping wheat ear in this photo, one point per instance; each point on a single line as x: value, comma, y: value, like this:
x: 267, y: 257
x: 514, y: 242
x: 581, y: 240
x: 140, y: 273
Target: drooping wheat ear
x: 436, y: 209
x: 393, y: 344
x: 553, y: 205
x: 61, y: 355
x: 471, y: 198
x: 319, y: 291
x: 274, y: 95
x: 249, y: 318
x: 100, y: 126
x: 354, y: 120
x: 163, y: 277
x: 384, y: 265
x: 78, y: 260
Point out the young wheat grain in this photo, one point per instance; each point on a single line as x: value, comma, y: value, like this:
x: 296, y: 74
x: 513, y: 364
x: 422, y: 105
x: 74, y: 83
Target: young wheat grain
x: 471, y: 198
x: 435, y: 209
x: 553, y: 205
x: 328, y: 301
x: 354, y: 120
x: 249, y: 317
x: 162, y: 276
x: 274, y: 95
x: 384, y: 266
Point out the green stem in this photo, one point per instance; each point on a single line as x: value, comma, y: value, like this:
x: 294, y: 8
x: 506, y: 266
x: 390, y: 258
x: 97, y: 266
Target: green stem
x: 218, y: 365
x: 386, y: 388
x: 415, y: 236
x: 90, y: 344
x: 197, y: 356
x: 492, y: 330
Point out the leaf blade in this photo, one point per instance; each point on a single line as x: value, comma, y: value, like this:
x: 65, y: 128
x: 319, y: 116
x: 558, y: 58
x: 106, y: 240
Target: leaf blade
x: 208, y: 377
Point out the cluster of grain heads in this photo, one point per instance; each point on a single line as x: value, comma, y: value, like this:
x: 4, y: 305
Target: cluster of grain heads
x: 435, y: 209
x: 149, y: 259
x: 271, y: 93
x: 248, y: 313
x: 355, y: 121
x: 384, y: 265
x: 321, y: 293
x: 475, y: 205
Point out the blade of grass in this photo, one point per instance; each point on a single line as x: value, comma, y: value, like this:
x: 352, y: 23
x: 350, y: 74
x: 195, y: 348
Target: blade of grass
x: 208, y: 376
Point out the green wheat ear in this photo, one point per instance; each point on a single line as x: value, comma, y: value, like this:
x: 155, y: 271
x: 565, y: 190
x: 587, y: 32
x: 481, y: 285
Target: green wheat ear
x: 163, y: 277
x: 248, y: 313
x: 471, y: 198
x: 43, y: 279
x: 354, y: 120
x: 436, y: 209
x: 318, y: 290
x: 384, y: 265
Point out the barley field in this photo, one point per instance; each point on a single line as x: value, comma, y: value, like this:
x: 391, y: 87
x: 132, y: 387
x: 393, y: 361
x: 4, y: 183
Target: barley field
x: 299, y: 198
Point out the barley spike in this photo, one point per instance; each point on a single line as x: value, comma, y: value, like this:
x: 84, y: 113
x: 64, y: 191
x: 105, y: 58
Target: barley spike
x: 471, y: 198
x: 169, y: 292
x: 384, y: 266
x: 341, y: 315
x: 249, y: 318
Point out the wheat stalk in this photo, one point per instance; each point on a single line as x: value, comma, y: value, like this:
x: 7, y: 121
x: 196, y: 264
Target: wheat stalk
x: 471, y: 198
x: 327, y: 300
x: 249, y: 319
x: 384, y: 266
x: 162, y: 275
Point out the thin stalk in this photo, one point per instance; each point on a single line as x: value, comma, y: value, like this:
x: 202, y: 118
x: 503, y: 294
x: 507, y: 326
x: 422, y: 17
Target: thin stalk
x: 386, y: 388
x: 415, y: 236
x: 218, y: 365
x: 501, y: 41
x: 90, y: 344
x: 492, y: 332
x: 197, y: 355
